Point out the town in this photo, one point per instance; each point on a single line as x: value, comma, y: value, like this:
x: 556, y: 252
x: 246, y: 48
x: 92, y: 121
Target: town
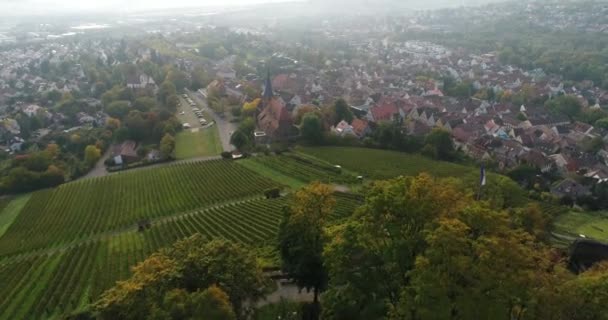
x: 335, y: 159
x: 496, y: 111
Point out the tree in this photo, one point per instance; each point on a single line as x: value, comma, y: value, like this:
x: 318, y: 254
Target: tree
x: 214, y: 304
x: 118, y: 109
x: 167, y: 145
x: 166, y: 90
x: 145, y: 104
x: 239, y: 140
x: 179, y: 79
x: 440, y: 143
x: 566, y: 105
x: 302, y: 236
x: 421, y: 248
x: 249, y: 108
x: 53, y: 150
x: 172, y: 103
x: 193, y: 279
x: 303, y: 110
x: 312, y: 129
x: 602, y: 123
x: 584, y: 296
x: 342, y: 112
x: 113, y: 124
x: 91, y: 155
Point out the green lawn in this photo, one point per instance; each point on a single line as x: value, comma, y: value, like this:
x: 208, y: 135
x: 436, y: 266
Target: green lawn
x: 205, y: 142
x: 382, y: 164
x: 11, y: 211
x: 592, y: 225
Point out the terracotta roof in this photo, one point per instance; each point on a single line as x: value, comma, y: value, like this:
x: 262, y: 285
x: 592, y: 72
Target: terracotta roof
x: 359, y: 126
x: 384, y: 112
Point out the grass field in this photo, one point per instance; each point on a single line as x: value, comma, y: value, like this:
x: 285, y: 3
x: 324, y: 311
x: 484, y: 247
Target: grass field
x: 204, y: 143
x: 592, y: 225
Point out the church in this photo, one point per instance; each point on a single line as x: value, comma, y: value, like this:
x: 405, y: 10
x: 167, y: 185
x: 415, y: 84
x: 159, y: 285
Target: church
x: 273, y: 116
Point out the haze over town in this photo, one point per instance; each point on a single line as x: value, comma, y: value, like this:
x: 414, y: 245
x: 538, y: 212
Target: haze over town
x: 303, y: 160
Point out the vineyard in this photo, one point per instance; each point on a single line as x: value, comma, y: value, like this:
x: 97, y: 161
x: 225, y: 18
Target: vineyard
x: 384, y: 164
x: 305, y: 168
x: 48, y: 285
x: 78, y: 210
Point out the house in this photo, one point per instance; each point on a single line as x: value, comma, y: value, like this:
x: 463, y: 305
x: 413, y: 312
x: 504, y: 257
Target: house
x: 361, y: 128
x: 226, y: 73
x: 570, y: 188
x: 125, y: 153
x: 343, y: 129
x: 31, y: 110
x: 385, y: 112
x: 143, y: 81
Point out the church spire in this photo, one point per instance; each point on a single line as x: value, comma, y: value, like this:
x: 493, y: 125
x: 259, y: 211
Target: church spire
x: 268, y: 93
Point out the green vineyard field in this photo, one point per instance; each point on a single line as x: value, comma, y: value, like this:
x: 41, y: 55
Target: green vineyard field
x: 78, y: 210
x: 51, y: 284
x: 305, y: 168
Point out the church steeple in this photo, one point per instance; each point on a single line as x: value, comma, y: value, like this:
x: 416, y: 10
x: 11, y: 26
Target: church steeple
x: 268, y: 93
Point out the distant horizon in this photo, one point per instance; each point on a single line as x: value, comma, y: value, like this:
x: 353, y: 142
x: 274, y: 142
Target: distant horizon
x: 71, y: 7
x: 36, y: 8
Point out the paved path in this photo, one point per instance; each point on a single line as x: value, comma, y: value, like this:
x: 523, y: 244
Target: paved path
x: 224, y: 127
x: 100, y: 168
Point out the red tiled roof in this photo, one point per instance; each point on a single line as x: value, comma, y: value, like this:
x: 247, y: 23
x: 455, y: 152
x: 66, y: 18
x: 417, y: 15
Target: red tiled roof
x: 359, y: 126
x: 384, y: 112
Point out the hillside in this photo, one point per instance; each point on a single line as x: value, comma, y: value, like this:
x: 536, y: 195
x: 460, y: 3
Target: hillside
x: 65, y: 246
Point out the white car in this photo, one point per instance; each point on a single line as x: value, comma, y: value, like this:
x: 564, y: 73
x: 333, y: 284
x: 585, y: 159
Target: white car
x: 182, y: 113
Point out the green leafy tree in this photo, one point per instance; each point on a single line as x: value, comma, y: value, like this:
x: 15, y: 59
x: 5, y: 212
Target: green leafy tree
x: 302, y: 236
x: 167, y: 89
x: 193, y: 279
x: 167, y: 145
x: 118, y: 109
x: 172, y: 103
x: 145, y: 104
x: 239, y: 140
x: 566, y: 105
x: 342, y: 112
x: 421, y: 248
x: 312, y: 129
x: 91, y: 155
x: 439, y: 144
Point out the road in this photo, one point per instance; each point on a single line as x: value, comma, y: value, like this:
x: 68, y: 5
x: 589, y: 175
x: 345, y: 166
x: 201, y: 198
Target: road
x: 224, y: 127
x: 100, y: 168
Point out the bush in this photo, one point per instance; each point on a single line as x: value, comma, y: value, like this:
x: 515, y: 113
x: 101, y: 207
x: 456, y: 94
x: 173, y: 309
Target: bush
x: 226, y: 155
x: 272, y: 193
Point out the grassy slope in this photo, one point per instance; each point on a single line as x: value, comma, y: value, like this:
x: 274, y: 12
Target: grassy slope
x: 11, y: 211
x: 592, y: 225
x: 205, y: 142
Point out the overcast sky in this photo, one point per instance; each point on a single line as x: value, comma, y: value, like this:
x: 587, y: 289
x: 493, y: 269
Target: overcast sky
x: 53, y: 6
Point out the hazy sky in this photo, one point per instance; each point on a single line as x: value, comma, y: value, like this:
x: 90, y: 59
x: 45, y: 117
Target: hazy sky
x: 8, y: 7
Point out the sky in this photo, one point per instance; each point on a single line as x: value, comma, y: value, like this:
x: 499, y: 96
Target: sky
x: 41, y: 7
x: 20, y: 7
